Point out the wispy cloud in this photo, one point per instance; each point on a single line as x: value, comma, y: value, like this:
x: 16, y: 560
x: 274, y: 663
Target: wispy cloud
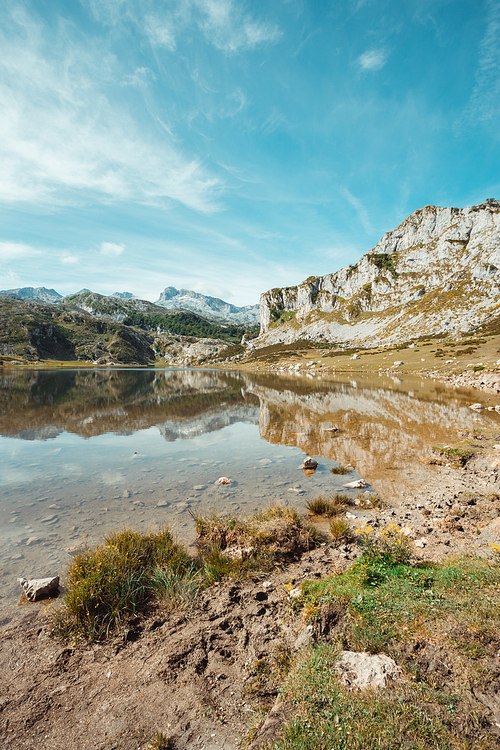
x: 70, y: 260
x: 139, y: 77
x: 229, y: 28
x: 17, y: 250
x: 63, y: 139
x: 111, y: 248
x: 275, y: 120
x: 360, y: 210
x: 373, y: 59
x: 484, y: 102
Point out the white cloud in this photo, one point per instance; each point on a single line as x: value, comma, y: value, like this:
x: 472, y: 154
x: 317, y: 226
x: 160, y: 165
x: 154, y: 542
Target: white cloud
x: 17, y: 250
x: 161, y: 32
x: 360, y: 210
x: 70, y: 260
x: 64, y: 139
x: 111, y: 248
x: 139, y: 77
x: 372, y: 60
x: 229, y: 28
x: 484, y: 102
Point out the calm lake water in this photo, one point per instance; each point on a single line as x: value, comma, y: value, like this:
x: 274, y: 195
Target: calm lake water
x: 83, y: 452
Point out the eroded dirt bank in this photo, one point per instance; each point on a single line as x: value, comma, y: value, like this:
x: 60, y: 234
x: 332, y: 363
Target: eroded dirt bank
x: 205, y: 677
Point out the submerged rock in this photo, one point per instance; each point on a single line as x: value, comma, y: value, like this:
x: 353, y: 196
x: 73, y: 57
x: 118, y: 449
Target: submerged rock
x: 39, y: 587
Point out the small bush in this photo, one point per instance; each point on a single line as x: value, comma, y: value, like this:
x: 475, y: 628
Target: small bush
x: 390, y: 546
x: 341, y: 531
x: 106, y: 585
x: 273, y: 534
x: 328, y: 506
x: 340, y: 469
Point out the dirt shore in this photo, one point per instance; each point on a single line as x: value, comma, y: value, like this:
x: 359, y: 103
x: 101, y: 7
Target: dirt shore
x: 195, y: 676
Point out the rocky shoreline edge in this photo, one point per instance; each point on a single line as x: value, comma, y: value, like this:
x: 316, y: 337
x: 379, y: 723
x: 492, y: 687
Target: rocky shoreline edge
x: 201, y: 678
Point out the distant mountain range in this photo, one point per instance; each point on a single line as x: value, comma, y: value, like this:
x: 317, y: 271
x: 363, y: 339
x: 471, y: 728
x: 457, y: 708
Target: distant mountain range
x: 29, y: 292
x: 211, y: 308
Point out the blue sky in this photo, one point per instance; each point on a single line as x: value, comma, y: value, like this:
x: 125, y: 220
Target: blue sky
x: 230, y: 147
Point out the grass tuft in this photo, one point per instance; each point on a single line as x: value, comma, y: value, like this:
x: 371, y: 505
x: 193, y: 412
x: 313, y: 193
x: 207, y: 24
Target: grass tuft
x: 328, y: 506
x: 106, y: 585
x: 341, y: 531
x: 340, y: 469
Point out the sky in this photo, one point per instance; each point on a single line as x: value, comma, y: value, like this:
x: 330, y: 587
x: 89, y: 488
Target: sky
x: 230, y: 147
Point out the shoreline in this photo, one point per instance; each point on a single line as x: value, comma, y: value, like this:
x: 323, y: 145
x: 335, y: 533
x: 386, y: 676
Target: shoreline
x: 204, y: 660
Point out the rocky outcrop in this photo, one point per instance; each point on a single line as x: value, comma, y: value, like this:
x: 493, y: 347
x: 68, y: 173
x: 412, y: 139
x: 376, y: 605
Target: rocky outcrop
x: 211, y: 308
x: 439, y: 271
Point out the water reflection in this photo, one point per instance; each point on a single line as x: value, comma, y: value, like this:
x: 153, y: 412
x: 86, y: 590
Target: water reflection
x: 85, y: 451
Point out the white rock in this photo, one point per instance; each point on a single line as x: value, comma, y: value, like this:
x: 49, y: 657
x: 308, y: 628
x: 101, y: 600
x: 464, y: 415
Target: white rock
x: 237, y: 553
x: 357, y: 485
x: 362, y: 670
x: 420, y: 543
x: 309, y: 463
x: 355, y: 356
x: 224, y: 481
x: 36, y: 588
x: 294, y: 593
x: 398, y: 362
x: 476, y: 407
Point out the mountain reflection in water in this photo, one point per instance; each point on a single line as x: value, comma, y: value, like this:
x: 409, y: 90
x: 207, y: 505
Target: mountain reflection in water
x: 386, y: 423
x: 87, y: 451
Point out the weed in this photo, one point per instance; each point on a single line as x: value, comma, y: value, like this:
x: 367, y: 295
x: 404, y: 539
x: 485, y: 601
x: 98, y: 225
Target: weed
x: 328, y: 506
x: 341, y: 531
x: 105, y: 586
x: 161, y: 741
x: 340, y: 469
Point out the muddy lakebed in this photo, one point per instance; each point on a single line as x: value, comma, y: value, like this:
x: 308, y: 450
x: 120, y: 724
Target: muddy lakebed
x: 84, y: 452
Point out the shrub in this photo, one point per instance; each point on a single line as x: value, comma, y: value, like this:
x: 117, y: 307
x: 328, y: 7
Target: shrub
x: 328, y: 506
x: 340, y: 469
x: 106, y: 585
x: 341, y: 531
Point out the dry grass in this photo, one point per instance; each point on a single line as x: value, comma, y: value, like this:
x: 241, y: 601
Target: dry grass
x: 328, y: 506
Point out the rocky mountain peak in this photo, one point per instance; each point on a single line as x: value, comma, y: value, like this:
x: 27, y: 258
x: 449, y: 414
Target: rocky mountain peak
x: 438, y: 271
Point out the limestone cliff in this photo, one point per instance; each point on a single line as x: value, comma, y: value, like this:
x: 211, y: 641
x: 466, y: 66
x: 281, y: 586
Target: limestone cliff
x: 439, y: 271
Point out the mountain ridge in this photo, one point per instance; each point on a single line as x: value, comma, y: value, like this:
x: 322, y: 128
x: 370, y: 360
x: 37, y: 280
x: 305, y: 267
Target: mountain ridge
x: 437, y: 272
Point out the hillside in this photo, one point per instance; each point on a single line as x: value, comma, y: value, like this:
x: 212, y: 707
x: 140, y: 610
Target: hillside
x: 94, y: 331
x: 152, y: 317
x: 436, y: 273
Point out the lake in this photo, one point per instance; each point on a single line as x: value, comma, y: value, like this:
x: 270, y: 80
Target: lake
x: 87, y: 451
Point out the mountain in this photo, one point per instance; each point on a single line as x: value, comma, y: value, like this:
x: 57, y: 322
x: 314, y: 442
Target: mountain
x: 211, y: 308
x: 152, y: 317
x: 437, y: 273
x: 29, y: 292
x: 123, y: 295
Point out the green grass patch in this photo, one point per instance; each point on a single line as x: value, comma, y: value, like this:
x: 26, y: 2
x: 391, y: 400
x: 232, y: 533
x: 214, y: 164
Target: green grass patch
x: 328, y: 717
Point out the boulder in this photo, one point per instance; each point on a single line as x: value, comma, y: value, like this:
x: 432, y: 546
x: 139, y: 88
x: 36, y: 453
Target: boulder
x: 309, y: 463
x: 224, y: 481
x: 39, y: 587
x: 356, y: 485
x: 362, y: 670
